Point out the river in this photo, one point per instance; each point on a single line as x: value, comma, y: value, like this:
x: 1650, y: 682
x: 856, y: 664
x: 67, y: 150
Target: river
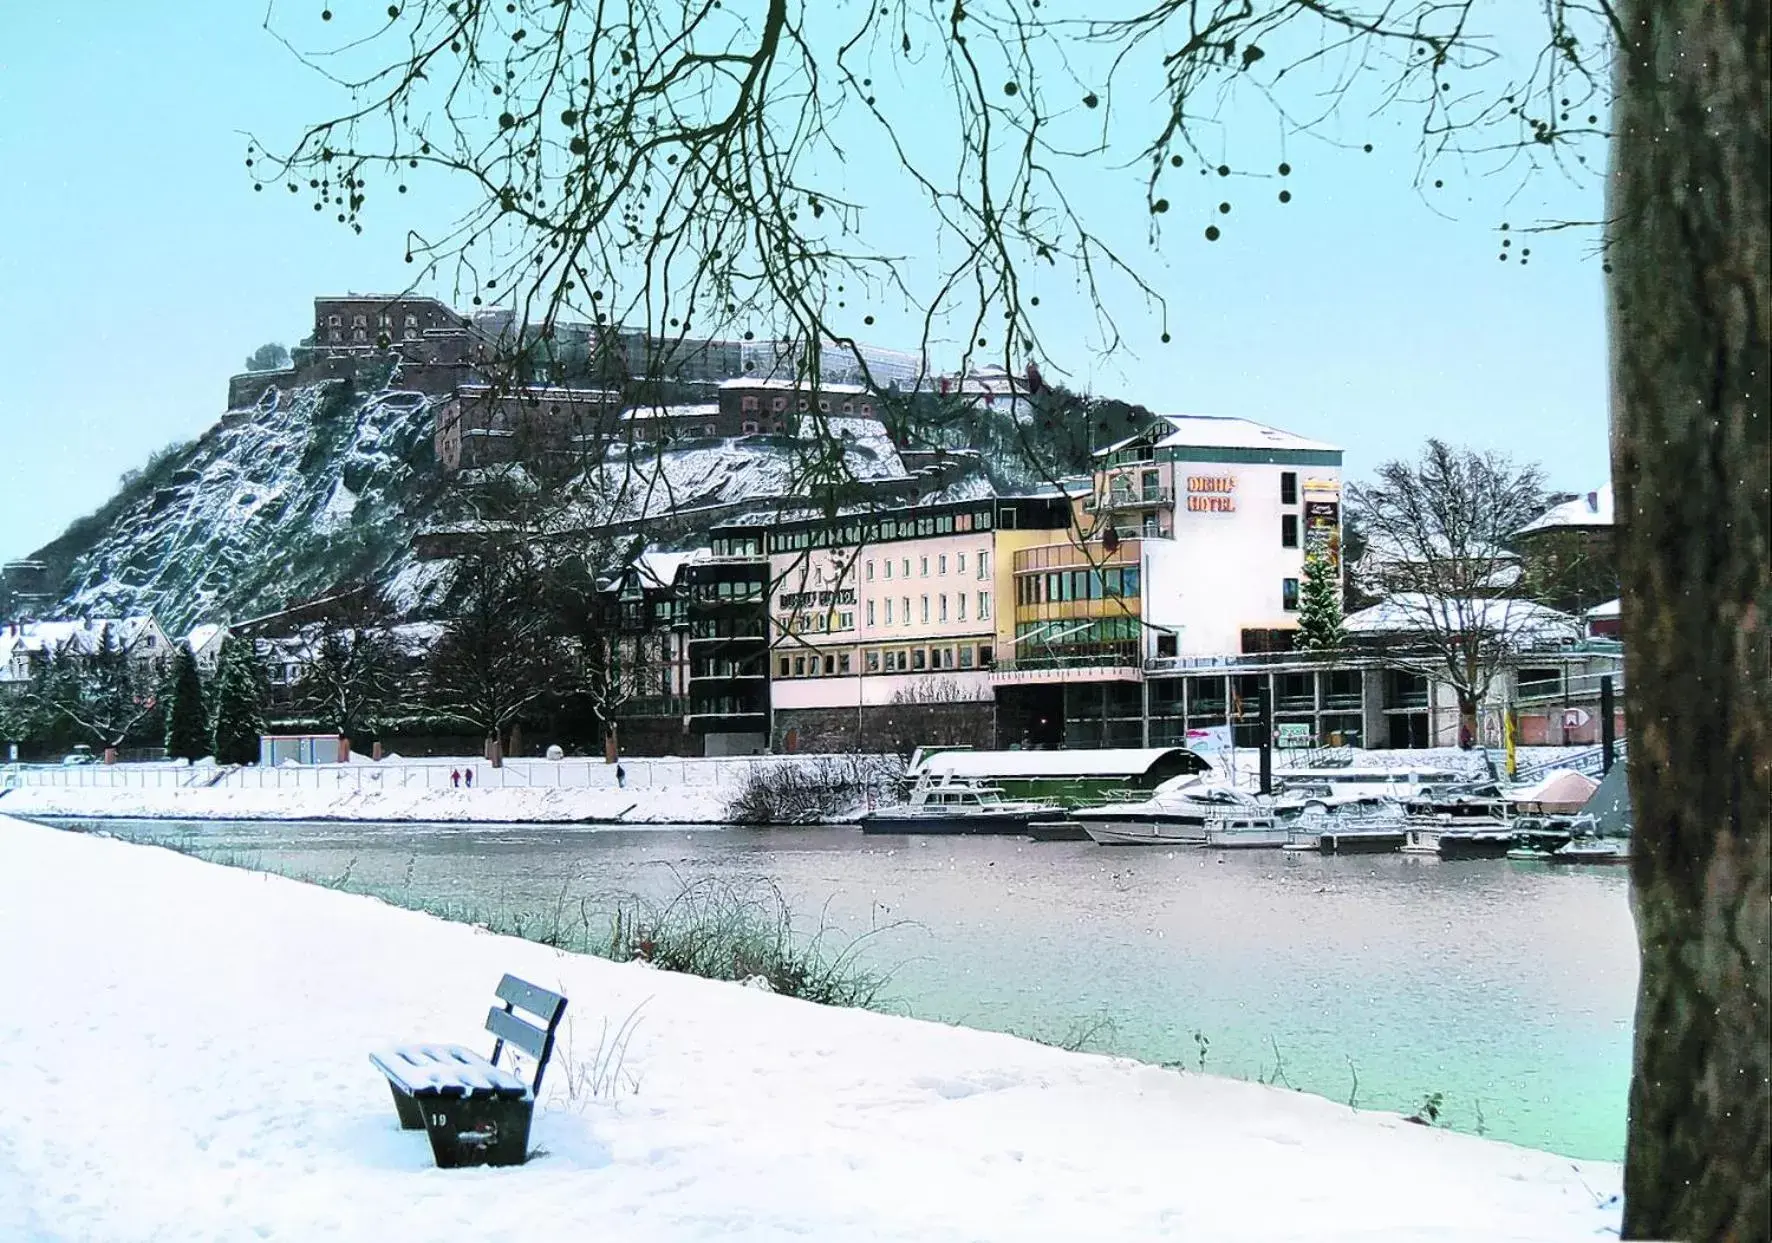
x: 1507, y: 988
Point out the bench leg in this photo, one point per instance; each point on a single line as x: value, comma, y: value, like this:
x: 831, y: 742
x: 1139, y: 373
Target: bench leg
x: 477, y: 1130
x: 412, y: 1116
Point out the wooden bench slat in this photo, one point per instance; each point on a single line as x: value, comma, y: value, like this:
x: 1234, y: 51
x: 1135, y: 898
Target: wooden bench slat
x: 447, y: 1070
x: 511, y: 1029
x: 525, y: 996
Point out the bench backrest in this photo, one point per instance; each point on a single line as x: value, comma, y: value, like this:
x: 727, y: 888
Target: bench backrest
x: 511, y: 1028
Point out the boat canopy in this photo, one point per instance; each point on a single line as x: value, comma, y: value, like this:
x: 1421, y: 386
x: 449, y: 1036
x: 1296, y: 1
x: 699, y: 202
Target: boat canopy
x: 1150, y: 764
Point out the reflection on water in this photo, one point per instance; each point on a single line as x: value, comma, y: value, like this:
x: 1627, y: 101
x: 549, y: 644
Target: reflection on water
x: 1508, y: 987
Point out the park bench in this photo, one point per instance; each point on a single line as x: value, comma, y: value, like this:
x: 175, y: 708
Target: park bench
x: 476, y: 1112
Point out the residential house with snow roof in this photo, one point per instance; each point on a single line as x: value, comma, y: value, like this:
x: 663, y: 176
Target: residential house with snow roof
x: 26, y: 646
x: 1570, y: 551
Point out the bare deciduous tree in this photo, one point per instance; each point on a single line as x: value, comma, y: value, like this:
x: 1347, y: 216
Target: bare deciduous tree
x: 352, y: 666
x: 1437, y: 531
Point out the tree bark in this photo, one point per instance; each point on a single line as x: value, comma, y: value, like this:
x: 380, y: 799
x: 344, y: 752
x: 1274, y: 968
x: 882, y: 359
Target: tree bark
x: 1689, y: 210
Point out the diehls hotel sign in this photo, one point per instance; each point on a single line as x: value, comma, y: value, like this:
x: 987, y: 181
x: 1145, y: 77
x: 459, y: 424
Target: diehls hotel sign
x: 1212, y: 494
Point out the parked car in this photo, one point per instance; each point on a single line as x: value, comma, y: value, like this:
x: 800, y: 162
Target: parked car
x: 80, y: 755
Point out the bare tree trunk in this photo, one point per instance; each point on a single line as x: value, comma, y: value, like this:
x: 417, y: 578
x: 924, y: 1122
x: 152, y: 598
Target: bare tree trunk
x: 1689, y: 302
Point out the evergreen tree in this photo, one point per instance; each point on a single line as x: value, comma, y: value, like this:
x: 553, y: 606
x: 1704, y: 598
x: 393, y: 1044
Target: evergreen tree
x: 187, y: 725
x: 1319, y: 604
x: 240, y: 695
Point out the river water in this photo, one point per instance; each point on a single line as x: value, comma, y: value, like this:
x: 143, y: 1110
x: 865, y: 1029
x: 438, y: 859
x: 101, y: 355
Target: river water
x: 1505, y: 987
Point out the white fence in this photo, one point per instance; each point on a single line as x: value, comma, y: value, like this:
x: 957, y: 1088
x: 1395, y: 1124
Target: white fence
x: 638, y: 773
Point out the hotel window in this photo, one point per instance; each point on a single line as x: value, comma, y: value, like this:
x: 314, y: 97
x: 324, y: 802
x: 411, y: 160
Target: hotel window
x: 845, y: 621
x: 799, y: 666
x: 923, y: 566
x: 1288, y: 530
x: 984, y: 656
x: 830, y: 665
x: 804, y: 405
x: 873, y: 662
x: 848, y: 407
x: 870, y: 612
x: 778, y: 403
x: 925, y: 610
x: 984, y: 564
x: 1148, y: 485
x: 918, y: 659
x: 824, y: 406
x: 843, y: 664
x: 984, y: 606
x: 905, y: 609
x: 867, y: 408
x: 941, y: 564
x: 357, y: 321
x: 889, y: 567
x: 959, y: 563
x: 904, y: 566
x: 966, y: 657
x: 748, y: 427
x: 870, y: 572
x: 1289, y: 594
x: 1288, y: 488
x: 783, y: 665
x: 332, y: 321
x: 960, y: 607
x: 943, y: 606
x: 889, y: 610
x: 747, y: 403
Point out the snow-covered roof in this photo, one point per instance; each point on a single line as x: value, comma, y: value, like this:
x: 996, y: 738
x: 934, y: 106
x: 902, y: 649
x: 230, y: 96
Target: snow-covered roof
x: 990, y: 765
x: 202, y: 636
x: 80, y: 635
x: 1415, y: 613
x: 1217, y: 431
x: 1592, y: 510
x: 699, y: 410
x: 792, y: 385
x: 1609, y: 611
x: 660, y: 569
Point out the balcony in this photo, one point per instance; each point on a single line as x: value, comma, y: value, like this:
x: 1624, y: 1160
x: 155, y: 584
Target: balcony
x: 1113, y: 500
x: 1115, y: 664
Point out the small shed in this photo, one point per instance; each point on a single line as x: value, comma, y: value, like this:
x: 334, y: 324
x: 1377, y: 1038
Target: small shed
x: 1069, y: 777
x: 275, y: 750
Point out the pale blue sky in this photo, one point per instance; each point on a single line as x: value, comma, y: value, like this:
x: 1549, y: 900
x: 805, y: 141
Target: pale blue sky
x: 139, y: 268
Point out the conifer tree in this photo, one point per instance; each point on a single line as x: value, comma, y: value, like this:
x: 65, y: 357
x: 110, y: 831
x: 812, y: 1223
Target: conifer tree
x: 1319, y: 604
x: 240, y: 695
x: 187, y: 724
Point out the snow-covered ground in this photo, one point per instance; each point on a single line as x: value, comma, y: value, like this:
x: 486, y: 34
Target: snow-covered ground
x: 183, y: 1056
x: 510, y: 805
x: 647, y: 791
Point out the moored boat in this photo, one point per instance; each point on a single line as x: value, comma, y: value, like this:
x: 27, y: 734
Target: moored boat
x: 958, y: 806
x: 1178, y: 813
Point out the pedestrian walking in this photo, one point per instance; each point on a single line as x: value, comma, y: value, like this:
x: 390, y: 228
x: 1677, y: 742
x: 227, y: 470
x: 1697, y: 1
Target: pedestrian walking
x: 621, y: 777
x: 455, y: 777
x: 468, y: 777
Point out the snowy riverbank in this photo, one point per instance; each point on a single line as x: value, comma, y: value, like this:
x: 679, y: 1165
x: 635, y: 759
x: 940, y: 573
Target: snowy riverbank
x: 510, y: 805
x: 185, y: 1057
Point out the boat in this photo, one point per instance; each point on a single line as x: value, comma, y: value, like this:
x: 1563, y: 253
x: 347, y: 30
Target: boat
x: 1592, y: 850
x: 1421, y: 842
x: 1461, y: 824
x: 1361, y: 823
x: 957, y: 805
x: 1178, y: 813
x: 1537, y: 838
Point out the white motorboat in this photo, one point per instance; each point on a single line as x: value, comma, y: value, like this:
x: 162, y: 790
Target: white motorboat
x: 958, y: 805
x: 1178, y: 813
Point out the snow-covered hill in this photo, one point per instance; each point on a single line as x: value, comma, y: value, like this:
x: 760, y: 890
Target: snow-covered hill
x: 268, y: 505
x: 319, y: 485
